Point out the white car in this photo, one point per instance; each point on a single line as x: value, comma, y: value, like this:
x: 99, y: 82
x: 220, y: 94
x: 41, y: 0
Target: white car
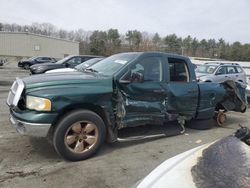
x: 224, y: 163
x: 79, y: 67
x: 219, y: 72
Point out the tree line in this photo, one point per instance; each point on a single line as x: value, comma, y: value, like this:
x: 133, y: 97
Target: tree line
x: 111, y: 41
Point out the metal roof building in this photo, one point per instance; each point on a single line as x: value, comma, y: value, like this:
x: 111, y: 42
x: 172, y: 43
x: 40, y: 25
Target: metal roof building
x: 23, y: 44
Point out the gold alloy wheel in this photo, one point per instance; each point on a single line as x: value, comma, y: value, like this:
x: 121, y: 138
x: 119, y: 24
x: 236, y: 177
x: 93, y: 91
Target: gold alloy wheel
x: 221, y: 118
x: 81, y: 136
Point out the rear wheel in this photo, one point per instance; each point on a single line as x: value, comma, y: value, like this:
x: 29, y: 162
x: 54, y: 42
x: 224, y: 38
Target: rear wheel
x: 79, y: 135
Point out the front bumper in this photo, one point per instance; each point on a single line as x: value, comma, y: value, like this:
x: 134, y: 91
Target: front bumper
x: 31, y: 129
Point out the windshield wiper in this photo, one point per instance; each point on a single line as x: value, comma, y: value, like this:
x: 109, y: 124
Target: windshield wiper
x: 90, y: 69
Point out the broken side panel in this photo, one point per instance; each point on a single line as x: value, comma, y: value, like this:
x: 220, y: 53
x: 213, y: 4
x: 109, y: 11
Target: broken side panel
x: 138, y: 104
x: 182, y: 98
x: 228, y: 96
x: 210, y: 95
x: 235, y: 98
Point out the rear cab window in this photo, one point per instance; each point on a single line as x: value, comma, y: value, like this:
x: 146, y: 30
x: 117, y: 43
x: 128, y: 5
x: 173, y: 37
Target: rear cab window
x: 178, y: 70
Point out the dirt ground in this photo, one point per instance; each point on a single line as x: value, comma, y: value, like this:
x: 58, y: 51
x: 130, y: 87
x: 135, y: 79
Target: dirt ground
x: 32, y: 162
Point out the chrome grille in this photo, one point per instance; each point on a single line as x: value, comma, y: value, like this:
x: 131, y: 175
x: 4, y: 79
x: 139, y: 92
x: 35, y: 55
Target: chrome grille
x: 15, y: 92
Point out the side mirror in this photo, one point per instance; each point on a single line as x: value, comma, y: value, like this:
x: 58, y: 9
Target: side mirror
x: 137, y: 77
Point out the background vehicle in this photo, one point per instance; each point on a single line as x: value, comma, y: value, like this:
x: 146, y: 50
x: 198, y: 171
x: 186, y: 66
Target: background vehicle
x: 35, y: 60
x: 210, y: 165
x: 69, y: 61
x: 81, y: 67
x: 81, y: 110
x: 220, y: 72
x: 2, y: 62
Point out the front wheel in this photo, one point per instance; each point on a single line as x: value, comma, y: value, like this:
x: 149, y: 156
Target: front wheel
x: 79, y: 135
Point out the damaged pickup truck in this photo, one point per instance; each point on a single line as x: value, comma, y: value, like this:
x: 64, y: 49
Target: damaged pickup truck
x: 80, y: 110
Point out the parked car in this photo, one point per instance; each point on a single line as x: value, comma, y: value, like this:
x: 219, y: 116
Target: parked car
x: 2, y: 62
x: 35, y: 60
x: 224, y: 163
x: 81, y: 67
x: 69, y: 62
x: 79, y: 110
x: 220, y: 72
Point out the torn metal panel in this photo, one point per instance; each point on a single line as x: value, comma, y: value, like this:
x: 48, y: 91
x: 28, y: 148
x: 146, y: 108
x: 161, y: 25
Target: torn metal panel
x: 234, y: 99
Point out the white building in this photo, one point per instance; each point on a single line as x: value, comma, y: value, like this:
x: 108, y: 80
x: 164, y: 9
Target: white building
x: 18, y: 45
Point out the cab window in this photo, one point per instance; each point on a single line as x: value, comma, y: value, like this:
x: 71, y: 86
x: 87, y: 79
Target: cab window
x: 178, y: 70
x: 150, y: 67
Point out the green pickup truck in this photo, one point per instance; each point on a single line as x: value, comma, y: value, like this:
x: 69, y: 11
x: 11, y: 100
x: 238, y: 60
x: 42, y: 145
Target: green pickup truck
x: 80, y: 110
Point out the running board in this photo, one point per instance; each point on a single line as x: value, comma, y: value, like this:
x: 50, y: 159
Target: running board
x: 134, y: 138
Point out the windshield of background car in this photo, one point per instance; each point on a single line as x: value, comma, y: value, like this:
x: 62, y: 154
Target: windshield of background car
x: 206, y: 69
x: 63, y: 60
x: 113, y: 63
x: 88, y: 63
x: 32, y: 58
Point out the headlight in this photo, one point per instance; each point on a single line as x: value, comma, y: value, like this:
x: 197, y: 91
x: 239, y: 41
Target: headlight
x: 37, y: 103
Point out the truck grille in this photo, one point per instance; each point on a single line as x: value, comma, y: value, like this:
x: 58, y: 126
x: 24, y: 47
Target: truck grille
x: 15, y: 92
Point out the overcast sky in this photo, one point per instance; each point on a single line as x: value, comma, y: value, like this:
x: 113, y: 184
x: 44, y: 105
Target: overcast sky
x: 228, y: 19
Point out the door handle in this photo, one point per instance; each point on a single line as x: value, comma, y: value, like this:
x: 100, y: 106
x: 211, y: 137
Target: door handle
x: 158, y: 90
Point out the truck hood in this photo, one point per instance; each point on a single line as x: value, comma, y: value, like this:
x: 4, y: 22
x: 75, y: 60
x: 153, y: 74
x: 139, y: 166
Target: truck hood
x: 63, y: 78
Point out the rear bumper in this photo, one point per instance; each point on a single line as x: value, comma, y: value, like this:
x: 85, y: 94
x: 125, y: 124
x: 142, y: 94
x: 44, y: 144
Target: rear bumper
x: 31, y: 129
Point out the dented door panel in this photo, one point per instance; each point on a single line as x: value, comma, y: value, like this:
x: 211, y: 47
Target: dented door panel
x: 210, y: 96
x: 183, y: 98
x: 142, y: 103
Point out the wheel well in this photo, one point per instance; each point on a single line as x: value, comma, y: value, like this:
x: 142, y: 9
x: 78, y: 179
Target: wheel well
x: 94, y: 108
x: 219, y: 106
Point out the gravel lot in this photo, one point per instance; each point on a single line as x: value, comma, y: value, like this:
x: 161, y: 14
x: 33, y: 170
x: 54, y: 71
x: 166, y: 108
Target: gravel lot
x: 32, y: 162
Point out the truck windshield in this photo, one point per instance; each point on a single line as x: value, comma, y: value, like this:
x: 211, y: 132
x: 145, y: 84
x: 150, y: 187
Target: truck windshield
x: 112, y: 64
x: 206, y: 69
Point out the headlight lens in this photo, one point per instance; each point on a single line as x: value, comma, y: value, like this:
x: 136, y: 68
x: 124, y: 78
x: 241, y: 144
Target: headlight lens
x: 37, y: 103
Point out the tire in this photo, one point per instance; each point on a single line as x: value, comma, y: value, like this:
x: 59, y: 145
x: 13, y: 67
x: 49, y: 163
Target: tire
x: 201, y: 124
x: 79, y: 135
x: 26, y: 66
